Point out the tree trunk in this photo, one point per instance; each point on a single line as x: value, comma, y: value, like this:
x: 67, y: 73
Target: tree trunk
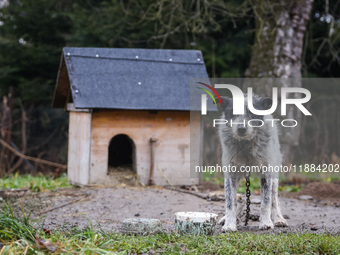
x: 276, y: 53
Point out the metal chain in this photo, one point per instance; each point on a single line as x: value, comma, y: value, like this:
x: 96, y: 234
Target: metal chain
x: 248, y: 198
x: 247, y: 175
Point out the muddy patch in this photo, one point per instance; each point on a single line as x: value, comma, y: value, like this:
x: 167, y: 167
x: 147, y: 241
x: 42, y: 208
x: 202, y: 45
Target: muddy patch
x: 320, y: 191
x: 106, y: 208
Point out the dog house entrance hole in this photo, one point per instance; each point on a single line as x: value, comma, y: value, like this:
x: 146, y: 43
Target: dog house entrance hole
x: 121, y: 154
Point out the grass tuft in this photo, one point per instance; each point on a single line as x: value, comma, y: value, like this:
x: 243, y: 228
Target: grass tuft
x: 37, y: 183
x: 13, y: 228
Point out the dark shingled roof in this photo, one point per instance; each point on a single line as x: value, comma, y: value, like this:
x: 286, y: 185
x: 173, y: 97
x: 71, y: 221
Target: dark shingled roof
x: 128, y: 78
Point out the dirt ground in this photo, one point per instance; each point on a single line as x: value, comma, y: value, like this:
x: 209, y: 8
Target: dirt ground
x: 321, y: 191
x: 107, y: 207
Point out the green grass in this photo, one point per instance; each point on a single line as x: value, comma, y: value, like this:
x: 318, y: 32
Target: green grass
x: 18, y: 236
x: 35, y: 183
x: 255, y: 184
x: 12, y: 228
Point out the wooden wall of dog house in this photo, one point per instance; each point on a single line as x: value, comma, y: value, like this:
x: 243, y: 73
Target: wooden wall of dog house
x: 172, y: 151
x: 79, y: 147
x: 196, y: 141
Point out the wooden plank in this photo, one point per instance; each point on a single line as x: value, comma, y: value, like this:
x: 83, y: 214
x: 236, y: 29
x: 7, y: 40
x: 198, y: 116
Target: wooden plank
x: 62, y: 88
x: 196, y: 138
x: 71, y: 108
x: 79, y: 147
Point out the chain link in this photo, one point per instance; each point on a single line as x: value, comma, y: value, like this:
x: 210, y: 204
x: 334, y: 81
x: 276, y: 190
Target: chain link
x: 248, y: 198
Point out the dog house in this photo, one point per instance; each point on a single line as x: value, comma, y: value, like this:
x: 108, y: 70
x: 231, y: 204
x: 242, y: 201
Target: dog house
x: 129, y: 108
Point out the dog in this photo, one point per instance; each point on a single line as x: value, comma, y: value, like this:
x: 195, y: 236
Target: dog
x: 250, y: 145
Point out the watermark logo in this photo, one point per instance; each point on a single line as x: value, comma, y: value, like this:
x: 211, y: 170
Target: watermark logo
x: 204, y: 97
x: 238, y: 99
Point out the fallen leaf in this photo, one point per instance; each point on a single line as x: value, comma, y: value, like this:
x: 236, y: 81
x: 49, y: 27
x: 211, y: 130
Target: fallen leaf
x: 47, y: 232
x: 45, y: 243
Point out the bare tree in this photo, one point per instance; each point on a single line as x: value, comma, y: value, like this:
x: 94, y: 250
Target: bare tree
x: 277, y: 51
x: 6, y: 129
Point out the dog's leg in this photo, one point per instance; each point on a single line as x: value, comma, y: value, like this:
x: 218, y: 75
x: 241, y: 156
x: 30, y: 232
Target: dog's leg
x: 278, y: 219
x: 266, y: 204
x: 230, y: 186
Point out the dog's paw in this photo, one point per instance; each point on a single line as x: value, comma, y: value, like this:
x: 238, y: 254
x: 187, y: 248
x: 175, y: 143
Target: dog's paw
x: 281, y: 223
x: 266, y: 225
x: 229, y: 228
x: 221, y: 221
